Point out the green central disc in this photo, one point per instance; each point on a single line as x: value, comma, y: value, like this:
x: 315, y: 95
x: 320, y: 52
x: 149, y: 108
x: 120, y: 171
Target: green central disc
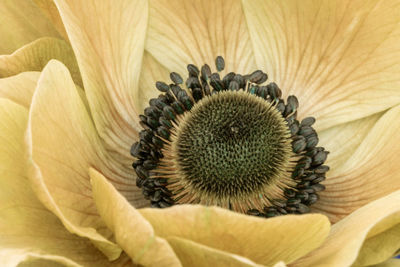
x: 232, y: 144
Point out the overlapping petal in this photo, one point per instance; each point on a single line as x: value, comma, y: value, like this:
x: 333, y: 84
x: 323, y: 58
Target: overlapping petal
x: 132, y: 232
x: 28, y: 231
x: 63, y: 145
x: 389, y: 263
x: 183, y: 32
x: 196, y: 255
x: 340, y: 58
x: 49, y: 9
x: 22, y: 22
x: 151, y: 72
x: 34, y: 56
x: 368, y: 236
x: 342, y: 140
x: 240, y: 234
x: 109, y: 53
x: 372, y: 171
x: 19, y: 88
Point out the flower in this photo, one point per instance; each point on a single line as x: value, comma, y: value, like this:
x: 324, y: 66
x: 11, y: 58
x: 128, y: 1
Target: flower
x: 67, y: 188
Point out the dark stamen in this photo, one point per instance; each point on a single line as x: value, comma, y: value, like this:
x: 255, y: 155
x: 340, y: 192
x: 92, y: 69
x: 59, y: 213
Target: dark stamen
x: 220, y: 63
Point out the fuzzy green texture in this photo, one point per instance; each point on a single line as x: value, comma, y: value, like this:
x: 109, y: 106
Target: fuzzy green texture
x: 232, y: 144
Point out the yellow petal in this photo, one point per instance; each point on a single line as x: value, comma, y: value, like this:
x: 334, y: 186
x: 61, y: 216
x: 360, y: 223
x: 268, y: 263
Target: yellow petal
x: 19, y: 88
x: 108, y: 41
x: 368, y: 236
x: 63, y: 145
x: 49, y: 9
x: 34, y: 56
x: 28, y: 230
x: 183, y: 32
x: 152, y: 71
x: 22, y: 22
x: 389, y: 263
x: 339, y: 57
x: 132, y: 232
x: 264, y: 241
x: 371, y: 172
x: 194, y: 254
x: 342, y: 140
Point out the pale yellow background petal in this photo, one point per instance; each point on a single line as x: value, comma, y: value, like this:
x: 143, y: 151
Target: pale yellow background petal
x: 382, y: 242
x: 22, y: 22
x: 34, y: 56
x: 372, y: 171
x: 342, y: 140
x: 341, y: 58
x: 132, y: 232
x: 242, y: 234
x: 355, y: 235
x: 63, y: 145
x: 194, y: 254
x: 49, y: 9
x: 27, y: 229
x: 389, y: 263
x: 151, y: 72
x: 108, y: 41
x: 183, y: 32
x: 19, y: 88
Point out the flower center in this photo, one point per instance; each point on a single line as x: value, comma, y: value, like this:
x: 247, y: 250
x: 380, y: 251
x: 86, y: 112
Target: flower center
x: 233, y: 143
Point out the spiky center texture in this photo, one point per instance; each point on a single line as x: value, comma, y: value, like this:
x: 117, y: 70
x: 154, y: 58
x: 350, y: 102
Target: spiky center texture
x: 231, y: 145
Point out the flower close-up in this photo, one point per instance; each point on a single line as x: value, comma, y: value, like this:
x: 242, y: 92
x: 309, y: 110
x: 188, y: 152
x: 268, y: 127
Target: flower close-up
x: 200, y: 133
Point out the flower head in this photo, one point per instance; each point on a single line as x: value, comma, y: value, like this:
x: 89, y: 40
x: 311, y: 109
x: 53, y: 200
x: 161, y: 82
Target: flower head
x: 68, y: 191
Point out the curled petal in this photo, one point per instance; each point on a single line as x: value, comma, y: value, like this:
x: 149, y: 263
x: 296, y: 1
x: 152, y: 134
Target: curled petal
x: 194, y: 254
x: 132, y: 231
x: 374, y: 232
x: 29, y: 232
x: 22, y: 22
x: 372, y: 171
x: 19, y: 88
x: 34, y: 56
x: 262, y: 241
x: 63, y: 144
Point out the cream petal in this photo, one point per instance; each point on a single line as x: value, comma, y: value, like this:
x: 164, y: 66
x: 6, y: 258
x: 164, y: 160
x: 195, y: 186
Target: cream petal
x: 262, y: 241
x: 19, y: 88
x: 353, y: 239
x: 339, y: 57
x: 183, y: 32
x: 49, y: 9
x: 29, y: 231
x: 109, y: 52
x: 63, y: 144
x: 371, y: 172
x: 193, y: 254
x: 151, y: 72
x: 22, y: 22
x: 342, y: 140
x: 389, y: 263
x: 34, y: 56
x: 132, y: 232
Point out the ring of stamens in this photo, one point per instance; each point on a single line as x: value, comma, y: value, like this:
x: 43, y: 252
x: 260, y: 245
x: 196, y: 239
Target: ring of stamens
x: 171, y: 172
